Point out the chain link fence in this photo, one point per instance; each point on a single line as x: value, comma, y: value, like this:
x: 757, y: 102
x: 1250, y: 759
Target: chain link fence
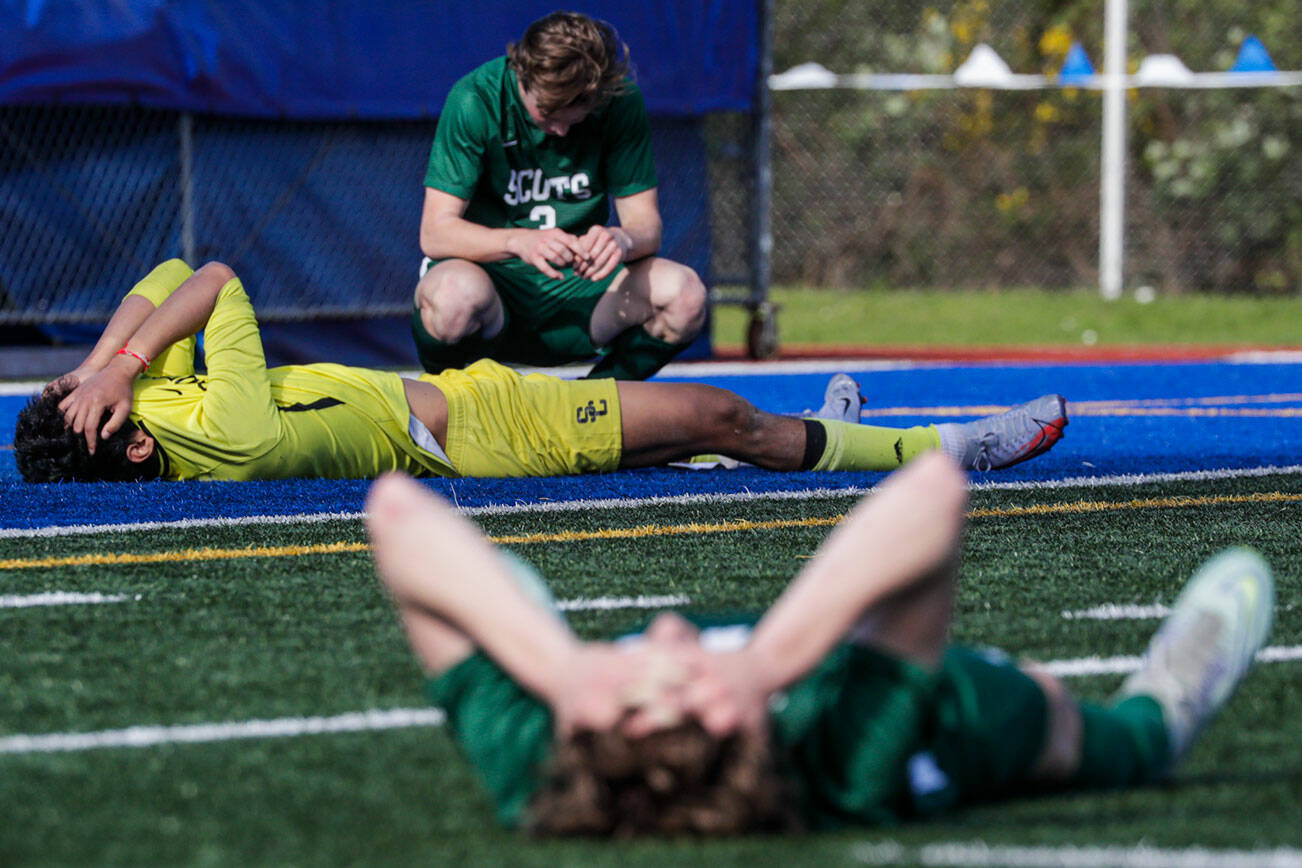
x: 998, y: 188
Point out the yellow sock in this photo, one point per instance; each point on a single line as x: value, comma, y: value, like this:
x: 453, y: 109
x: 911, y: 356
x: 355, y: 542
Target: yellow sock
x: 870, y: 447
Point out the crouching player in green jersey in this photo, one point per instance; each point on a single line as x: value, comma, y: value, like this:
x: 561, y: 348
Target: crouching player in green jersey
x: 137, y: 409
x: 531, y: 151
x: 843, y: 705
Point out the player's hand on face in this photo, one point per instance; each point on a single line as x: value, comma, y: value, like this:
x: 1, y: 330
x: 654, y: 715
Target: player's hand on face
x: 546, y: 248
x: 108, y: 389
x: 604, y: 249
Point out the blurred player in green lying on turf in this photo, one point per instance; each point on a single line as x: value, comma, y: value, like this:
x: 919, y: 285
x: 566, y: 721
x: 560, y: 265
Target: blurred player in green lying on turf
x: 842, y: 705
x: 137, y: 409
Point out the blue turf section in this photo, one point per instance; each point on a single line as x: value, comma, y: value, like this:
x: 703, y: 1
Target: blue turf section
x: 1256, y: 421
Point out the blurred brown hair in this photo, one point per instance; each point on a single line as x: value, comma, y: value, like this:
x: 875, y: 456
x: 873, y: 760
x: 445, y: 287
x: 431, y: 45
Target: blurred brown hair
x: 677, y: 781
x: 566, y: 59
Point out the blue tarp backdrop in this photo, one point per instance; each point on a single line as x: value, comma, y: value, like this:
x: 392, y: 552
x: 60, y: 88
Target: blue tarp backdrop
x: 308, y: 59
x: 306, y: 155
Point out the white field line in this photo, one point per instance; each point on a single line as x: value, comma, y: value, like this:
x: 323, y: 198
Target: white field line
x: 1118, y: 612
x: 1131, y: 612
x: 608, y: 603
x: 283, y: 727
x: 1083, y: 666
x: 60, y: 598
x: 696, y: 370
x: 398, y: 718
x: 977, y: 854
x: 1128, y: 479
x: 580, y: 604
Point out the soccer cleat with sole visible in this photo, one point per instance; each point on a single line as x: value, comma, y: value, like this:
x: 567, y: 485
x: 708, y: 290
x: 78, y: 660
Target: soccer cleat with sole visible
x: 841, y: 400
x: 1207, y: 644
x: 1007, y: 438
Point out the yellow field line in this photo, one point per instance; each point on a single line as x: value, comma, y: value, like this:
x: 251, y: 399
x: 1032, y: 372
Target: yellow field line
x: 664, y: 530
x: 1082, y: 506
x: 182, y: 555
x: 1139, y: 503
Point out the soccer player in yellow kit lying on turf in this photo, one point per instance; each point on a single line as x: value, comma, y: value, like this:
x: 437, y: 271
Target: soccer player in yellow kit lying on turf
x: 844, y: 705
x: 136, y: 409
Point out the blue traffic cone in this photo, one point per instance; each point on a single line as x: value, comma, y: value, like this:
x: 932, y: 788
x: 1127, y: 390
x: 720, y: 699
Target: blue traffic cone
x: 1076, y: 66
x: 1253, y: 57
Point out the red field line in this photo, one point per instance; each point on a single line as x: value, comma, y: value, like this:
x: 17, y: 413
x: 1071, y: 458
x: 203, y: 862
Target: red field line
x: 1144, y: 353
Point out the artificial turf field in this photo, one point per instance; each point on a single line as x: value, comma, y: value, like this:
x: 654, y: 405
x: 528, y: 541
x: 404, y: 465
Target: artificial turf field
x: 278, y: 718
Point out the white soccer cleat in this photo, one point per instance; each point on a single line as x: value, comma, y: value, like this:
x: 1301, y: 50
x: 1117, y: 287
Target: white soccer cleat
x: 1007, y: 438
x: 1206, y: 645
x: 841, y: 400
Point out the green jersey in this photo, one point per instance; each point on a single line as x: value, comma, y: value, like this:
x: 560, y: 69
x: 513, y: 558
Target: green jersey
x: 513, y: 175
x: 867, y: 738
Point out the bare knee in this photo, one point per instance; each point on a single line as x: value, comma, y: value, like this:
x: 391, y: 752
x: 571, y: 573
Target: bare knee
x: 726, y: 417
x: 219, y: 271
x: 456, y: 304
x: 679, y: 300
x: 1060, y: 756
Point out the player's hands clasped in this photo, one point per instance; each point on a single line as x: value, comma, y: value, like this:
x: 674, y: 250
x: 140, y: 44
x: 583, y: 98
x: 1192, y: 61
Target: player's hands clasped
x: 545, y: 249
x: 606, y: 247
x: 108, y: 389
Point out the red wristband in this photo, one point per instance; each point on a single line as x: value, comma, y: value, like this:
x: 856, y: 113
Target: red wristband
x: 139, y: 357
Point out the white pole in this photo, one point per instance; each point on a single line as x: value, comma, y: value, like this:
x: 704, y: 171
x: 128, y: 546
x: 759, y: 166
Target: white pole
x: 1112, y: 198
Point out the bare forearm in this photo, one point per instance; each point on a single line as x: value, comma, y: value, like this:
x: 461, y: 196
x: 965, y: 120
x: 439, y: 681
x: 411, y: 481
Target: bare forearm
x: 812, y: 617
x: 455, y: 238
x: 130, y: 315
x: 900, y: 536
x: 185, y: 312
x: 643, y: 239
x: 472, y: 589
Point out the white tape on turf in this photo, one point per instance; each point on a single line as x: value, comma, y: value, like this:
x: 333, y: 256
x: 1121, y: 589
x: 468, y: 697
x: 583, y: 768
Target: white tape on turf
x: 976, y: 854
x: 641, y: 502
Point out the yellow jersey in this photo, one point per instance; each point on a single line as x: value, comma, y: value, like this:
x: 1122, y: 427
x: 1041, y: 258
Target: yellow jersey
x: 242, y: 420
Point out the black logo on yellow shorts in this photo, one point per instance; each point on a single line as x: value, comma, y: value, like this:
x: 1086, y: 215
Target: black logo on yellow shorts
x: 591, y: 411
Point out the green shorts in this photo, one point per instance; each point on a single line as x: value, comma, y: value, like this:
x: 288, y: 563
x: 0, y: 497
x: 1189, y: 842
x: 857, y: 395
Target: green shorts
x: 871, y: 739
x: 547, y: 321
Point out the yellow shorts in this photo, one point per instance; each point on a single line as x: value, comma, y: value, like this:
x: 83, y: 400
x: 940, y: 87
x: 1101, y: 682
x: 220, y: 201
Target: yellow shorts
x: 503, y: 424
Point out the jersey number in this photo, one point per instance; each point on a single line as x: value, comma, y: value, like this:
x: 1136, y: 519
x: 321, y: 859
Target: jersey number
x: 544, y: 216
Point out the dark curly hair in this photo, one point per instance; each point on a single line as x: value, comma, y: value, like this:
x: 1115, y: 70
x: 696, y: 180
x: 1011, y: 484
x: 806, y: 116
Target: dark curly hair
x: 567, y: 59
x: 677, y: 781
x: 47, y: 450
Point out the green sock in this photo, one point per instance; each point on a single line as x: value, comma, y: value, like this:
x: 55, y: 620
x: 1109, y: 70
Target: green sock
x: 635, y: 355
x: 1122, y: 745
x: 870, y: 447
x: 436, y: 356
